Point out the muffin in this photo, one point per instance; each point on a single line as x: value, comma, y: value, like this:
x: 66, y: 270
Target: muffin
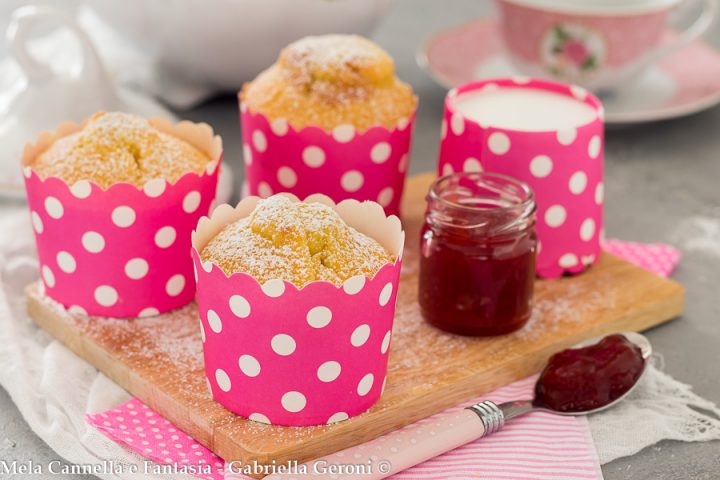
x: 119, y: 147
x: 297, y: 242
x: 296, y: 303
x: 331, y: 117
x: 332, y: 80
x: 122, y: 193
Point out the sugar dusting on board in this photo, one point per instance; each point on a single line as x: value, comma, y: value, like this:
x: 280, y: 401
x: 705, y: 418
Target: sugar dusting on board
x: 412, y: 336
x: 173, y: 338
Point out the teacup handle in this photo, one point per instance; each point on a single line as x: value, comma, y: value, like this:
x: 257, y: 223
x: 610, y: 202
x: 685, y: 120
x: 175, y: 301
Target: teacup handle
x: 25, y: 19
x: 692, y: 33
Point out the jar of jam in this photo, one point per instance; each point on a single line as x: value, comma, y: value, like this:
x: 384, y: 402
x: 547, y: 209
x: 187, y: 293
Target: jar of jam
x: 477, y: 254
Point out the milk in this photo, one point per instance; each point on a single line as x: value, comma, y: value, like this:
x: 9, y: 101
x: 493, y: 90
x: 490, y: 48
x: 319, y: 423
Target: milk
x: 524, y: 109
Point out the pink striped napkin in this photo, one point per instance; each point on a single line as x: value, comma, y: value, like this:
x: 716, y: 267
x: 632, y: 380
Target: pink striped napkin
x: 539, y: 446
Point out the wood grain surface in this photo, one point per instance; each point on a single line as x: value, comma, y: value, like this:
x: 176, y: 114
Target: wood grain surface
x: 159, y: 359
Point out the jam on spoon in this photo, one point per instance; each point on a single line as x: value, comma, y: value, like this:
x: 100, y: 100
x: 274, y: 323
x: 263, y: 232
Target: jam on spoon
x: 583, y: 379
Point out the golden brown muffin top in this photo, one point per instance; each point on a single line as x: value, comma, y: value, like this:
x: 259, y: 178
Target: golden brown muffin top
x: 331, y: 80
x: 119, y: 147
x: 295, y: 241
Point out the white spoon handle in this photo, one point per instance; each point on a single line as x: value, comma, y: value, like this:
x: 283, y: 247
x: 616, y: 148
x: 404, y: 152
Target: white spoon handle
x: 409, y: 446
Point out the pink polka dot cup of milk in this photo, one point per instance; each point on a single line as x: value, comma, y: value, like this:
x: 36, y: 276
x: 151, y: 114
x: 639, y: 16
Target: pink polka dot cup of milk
x: 547, y: 134
x: 124, y: 251
x: 287, y: 356
x: 342, y: 164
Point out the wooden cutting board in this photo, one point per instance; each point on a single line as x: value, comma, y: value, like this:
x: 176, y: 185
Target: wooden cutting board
x: 159, y: 360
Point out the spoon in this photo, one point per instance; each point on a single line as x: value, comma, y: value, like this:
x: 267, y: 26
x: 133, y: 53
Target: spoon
x: 412, y: 445
x: 514, y: 409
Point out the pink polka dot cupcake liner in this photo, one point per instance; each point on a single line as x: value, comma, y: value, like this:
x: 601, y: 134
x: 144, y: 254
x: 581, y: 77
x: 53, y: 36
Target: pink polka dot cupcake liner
x: 278, y: 354
x: 563, y: 167
x: 123, y: 251
x: 342, y: 164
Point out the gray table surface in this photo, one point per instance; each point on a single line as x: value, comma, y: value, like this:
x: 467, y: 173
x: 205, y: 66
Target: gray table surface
x: 661, y: 182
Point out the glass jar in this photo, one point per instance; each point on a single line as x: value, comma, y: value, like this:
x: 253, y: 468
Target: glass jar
x: 477, y: 254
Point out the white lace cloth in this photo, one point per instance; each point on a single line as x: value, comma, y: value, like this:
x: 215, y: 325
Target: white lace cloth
x: 53, y: 388
x: 660, y: 408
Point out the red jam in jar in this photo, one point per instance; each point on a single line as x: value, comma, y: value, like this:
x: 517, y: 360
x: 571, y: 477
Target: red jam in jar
x: 583, y: 379
x: 477, y: 254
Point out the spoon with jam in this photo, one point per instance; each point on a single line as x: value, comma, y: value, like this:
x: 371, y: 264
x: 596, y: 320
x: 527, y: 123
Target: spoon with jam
x: 588, y: 378
x: 592, y: 376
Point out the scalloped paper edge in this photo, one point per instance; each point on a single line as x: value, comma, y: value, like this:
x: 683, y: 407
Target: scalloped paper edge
x: 200, y: 135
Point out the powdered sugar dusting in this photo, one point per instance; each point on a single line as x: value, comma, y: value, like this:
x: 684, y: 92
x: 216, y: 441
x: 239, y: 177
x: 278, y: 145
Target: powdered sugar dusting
x: 348, y: 59
x: 295, y: 241
x: 119, y: 147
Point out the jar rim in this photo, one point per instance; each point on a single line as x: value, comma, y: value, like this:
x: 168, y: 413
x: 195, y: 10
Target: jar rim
x: 499, y: 202
x: 480, y: 179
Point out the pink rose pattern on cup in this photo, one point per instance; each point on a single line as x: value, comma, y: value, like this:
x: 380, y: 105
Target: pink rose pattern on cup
x: 575, y: 50
x: 572, y: 51
x: 564, y: 168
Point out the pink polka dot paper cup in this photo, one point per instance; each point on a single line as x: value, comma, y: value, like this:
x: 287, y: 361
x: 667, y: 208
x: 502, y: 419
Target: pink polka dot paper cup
x: 124, y: 251
x: 278, y: 354
x: 342, y: 164
x: 549, y: 135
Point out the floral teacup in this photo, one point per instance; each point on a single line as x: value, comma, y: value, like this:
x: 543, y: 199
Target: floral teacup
x: 599, y: 44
